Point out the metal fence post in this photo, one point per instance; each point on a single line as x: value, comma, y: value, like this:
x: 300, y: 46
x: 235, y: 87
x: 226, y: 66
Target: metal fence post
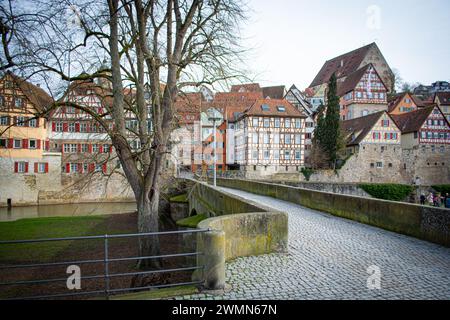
x: 106, y: 267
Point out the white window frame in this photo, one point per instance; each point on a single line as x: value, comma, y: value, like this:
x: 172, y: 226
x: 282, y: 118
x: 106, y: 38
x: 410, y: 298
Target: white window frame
x: 20, y: 144
x: 35, y: 144
x: 41, y: 167
x: 21, y: 166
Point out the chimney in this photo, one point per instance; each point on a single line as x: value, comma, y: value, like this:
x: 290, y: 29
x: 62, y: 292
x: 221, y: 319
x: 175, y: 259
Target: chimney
x: 342, y: 63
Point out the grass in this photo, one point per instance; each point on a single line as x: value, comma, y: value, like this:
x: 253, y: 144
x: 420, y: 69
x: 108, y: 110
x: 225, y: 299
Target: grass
x: 159, y: 293
x: 54, y: 227
x: 182, y: 198
x: 192, y: 222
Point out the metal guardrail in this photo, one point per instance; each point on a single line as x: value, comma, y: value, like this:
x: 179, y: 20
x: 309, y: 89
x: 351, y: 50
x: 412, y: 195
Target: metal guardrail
x: 106, y: 261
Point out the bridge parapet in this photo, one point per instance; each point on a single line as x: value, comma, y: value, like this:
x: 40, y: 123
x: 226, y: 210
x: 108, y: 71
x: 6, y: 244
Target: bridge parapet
x: 239, y: 228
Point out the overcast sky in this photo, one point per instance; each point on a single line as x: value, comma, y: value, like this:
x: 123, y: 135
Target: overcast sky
x: 291, y: 39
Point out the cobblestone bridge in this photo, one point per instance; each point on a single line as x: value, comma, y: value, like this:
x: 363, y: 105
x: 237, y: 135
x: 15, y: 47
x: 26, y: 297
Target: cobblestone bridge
x: 329, y: 258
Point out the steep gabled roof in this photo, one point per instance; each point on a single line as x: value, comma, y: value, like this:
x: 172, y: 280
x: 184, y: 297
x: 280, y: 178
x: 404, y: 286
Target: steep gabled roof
x: 40, y: 99
x: 357, y: 129
x: 276, y: 92
x: 394, y: 101
x: 271, y: 109
x: 412, y: 121
x: 350, y: 83
x: 342, y: 65
x: 299, y: 96
x: 248, y: 87
x: 444, y: 98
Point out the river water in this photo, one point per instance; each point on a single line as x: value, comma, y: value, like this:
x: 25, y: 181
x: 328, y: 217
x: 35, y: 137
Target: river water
x: 66, y: 210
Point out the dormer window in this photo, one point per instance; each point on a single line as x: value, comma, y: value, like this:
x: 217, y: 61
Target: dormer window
x: 281, y: 109
x: 265, y: 107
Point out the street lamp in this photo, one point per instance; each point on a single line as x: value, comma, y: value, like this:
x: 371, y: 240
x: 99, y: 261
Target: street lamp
x: 214, y: 116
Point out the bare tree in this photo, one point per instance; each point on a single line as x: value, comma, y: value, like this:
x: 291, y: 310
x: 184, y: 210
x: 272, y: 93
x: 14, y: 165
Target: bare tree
x: 166, y: 46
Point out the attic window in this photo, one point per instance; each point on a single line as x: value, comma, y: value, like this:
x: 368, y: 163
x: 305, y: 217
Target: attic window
x: 281, y: 109
x: 265, y: 107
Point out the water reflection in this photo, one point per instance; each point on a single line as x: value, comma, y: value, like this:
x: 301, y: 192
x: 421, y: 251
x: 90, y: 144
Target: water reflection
x: 66, y: 210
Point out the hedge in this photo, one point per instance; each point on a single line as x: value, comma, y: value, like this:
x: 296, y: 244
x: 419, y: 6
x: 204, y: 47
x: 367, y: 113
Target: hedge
x: 442, y: 189
x: 393, y: 192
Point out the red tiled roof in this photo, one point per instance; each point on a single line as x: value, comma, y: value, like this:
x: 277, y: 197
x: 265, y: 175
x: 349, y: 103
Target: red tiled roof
x: 412, y: 121
x: 444, y: 98
x: 350, y: 83
x: 277, y: 92
x: 188, y: 104
x: 249, y: 87
x: 342, y: 65
x: 272, y: 109
x: 358, y: 128
x: 40, y: 99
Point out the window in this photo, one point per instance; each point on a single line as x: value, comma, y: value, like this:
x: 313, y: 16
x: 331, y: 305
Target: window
x: 74, y: 167
x: 3, y: 143
x: 70, y: 110
x: 18, y: 102
x: 266, y: 122
x: 20, y: 121
x: 255, y: 138
x: 379, y: 165
x: 83, y: 127
x: 4, y: 121
x: 287, y: 155
x: 266, y: 155
x: 287, y: 123
x: 277, y: 123
x: 298, y: 139
x: 41, y: 168
x: 385, y: 123
x: 106, y: 148
x: 17, y: 144
x: 59, y: 127
x: 372, y: 165
x: 281, y: 109
x: 255, y: 155
x: 276, y: 154
x: 266, y: 138
x: 71, y: 127
x: 32, y: 123
x: 255, y: 122
x: 21, y: 167
x: 265, y: 107
x: 276, y: 138
x: 2, y: 101
x: 298, y: 123
x: 298, y: 155
x: 287, y: 139
x: 84, y: 148
x: 32, y: 144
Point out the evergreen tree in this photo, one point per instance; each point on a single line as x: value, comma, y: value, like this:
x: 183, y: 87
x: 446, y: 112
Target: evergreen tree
x: 327, y: 135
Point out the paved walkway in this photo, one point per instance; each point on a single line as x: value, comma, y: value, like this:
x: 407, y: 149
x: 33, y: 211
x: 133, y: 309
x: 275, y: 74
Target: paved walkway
x: 329, y: 258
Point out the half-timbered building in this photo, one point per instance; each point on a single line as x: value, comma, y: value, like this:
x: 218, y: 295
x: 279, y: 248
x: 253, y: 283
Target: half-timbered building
x: 269, y: 138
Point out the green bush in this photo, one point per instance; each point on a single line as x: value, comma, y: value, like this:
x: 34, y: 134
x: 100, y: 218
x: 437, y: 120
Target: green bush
x: 182, y: 198
x: 393, y: 192
x: 307, y: 172
x: 442, y: 189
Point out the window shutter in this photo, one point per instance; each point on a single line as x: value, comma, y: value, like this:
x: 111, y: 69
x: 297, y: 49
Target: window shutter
x: 46, y: 167
x: 38, y: 144
x: 90, y: 148
x: 91, y: 167
x: 80, y: 168
x: 104, y: 168
x: 11, y: 143
x: 26, y: 167
x: 8, y: 120
x: 101, y: 149
x: 25, y: 143
x: 77, y: 127
x: 110, y: 149
x: 79, y: 148
x: 16, y: 167
x: 35, y: 167
x: 65, y: 127
x: 53, y: 126
x: 14, y: 120
x: 67, y: 167
x: 373, y: 136
x: 47, y: 145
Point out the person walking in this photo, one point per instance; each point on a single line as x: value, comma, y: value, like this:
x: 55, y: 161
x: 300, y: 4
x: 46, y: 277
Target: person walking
x: 447, y: 201
x: 422, y: 199
x: 437, y: 200
x: 430, y: 199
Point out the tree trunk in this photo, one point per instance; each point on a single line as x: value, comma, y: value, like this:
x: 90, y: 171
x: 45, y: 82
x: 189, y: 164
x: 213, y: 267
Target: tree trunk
x: 148, y: 222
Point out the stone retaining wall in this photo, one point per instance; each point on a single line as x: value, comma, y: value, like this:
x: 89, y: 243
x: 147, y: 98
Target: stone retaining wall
x: 427, y: 223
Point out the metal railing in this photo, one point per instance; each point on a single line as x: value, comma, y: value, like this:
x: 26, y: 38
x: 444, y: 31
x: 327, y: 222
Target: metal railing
x: 106, y: 261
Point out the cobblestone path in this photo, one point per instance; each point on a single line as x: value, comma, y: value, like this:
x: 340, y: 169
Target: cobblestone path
x: 329, y: 258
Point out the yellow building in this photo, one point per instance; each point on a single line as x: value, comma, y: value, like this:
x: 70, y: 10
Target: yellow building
x: 23, y: 129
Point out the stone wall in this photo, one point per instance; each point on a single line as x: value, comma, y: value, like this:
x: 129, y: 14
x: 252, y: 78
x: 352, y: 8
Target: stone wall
x: 26, y: 188
x: 427, y: 223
